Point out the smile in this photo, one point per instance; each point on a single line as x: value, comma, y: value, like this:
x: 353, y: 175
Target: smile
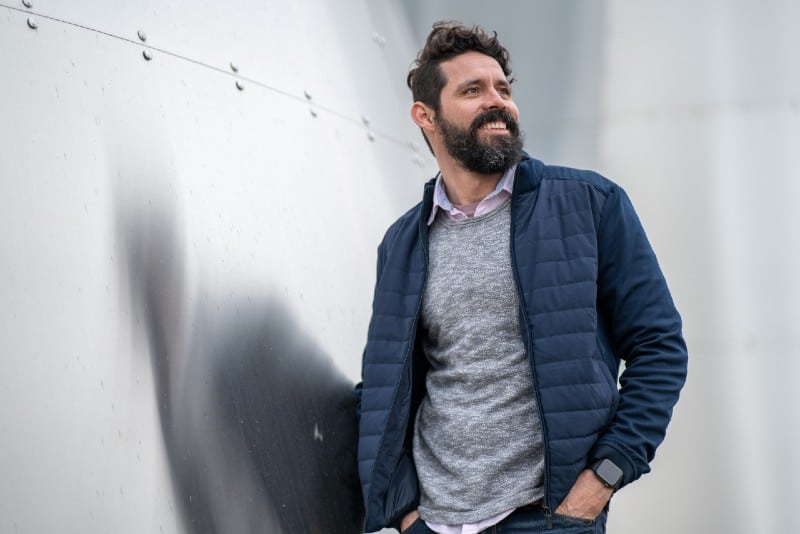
x: 496, y: 125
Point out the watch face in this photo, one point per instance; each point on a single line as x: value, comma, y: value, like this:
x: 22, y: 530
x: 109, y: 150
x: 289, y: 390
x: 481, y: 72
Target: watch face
x: 609, y: 472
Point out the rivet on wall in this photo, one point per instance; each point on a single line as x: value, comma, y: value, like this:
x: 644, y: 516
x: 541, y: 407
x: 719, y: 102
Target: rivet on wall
x: 307, y: 94
x: 142, y: 35
x: 27, y: 3
x: 365, y: 120
x: 234, y: 67
x: 239, y: 85
x: 32, y: 24
x: 147, y: 54
x: 371, y: 136
x: 313, y: 112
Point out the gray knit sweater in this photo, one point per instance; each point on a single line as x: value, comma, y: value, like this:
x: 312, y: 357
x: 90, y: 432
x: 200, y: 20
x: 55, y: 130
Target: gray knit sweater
x: 477, y: 439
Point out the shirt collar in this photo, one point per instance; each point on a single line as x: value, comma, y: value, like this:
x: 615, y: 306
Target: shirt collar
x: 440, y: 200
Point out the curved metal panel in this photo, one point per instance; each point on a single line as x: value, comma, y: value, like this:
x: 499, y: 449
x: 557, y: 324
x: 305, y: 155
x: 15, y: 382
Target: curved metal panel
x: 188, y: 265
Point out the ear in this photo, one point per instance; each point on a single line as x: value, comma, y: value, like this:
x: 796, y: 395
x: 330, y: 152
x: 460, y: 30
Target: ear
x: 423, y: 116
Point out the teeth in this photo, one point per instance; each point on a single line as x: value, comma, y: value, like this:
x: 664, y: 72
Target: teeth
x: 497, y: 125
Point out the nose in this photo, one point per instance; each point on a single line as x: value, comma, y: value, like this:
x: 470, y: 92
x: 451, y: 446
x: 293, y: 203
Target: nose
x: 494, y: 100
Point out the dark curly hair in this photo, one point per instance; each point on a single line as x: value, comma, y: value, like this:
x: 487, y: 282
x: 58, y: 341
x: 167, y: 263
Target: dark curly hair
x: 447, y: 40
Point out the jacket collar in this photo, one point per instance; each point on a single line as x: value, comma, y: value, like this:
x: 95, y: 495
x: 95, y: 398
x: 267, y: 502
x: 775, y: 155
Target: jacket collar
x: 526, y: 179
x: 529, y: 174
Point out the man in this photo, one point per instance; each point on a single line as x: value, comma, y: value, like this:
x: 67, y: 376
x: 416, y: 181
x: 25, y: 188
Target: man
x: 504, y: 304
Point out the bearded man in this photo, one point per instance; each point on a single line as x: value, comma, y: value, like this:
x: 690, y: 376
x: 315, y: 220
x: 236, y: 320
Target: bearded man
x: 504, y: 305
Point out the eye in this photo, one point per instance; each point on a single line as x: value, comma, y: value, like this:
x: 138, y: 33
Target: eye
x: 471, y: 90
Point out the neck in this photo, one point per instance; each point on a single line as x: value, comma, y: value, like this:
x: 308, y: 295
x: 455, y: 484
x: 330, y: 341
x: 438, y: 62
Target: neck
x: 464, y: 186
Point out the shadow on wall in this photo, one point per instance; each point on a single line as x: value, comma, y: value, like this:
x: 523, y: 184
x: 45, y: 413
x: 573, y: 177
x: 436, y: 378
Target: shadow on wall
x: 258, y: 423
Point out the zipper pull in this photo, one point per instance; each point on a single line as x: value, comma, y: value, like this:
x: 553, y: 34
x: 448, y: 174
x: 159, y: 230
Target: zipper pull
x: 548, y: 517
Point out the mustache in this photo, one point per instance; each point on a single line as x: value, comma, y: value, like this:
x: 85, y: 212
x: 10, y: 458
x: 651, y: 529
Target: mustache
x: 495, y: 115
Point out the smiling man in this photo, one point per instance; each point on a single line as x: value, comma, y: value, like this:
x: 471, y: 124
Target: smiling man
x: 505, y: 303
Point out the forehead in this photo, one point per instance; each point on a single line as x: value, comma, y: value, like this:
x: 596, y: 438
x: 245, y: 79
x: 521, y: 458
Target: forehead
x: 471, y: 66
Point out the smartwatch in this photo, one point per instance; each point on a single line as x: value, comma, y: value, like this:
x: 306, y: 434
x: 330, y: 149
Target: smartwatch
x: 608, y: 472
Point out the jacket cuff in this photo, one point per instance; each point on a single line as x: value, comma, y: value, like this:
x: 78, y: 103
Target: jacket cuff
x: 604, y: 451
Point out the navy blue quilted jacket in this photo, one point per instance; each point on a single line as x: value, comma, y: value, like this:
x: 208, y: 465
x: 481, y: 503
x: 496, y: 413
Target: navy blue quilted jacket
x: 592, y: 295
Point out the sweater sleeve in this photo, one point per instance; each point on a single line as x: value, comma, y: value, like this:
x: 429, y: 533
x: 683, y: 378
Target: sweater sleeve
x: 643, y: 329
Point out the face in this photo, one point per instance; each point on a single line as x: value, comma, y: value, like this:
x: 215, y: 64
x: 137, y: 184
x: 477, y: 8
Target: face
x: 477, y: 119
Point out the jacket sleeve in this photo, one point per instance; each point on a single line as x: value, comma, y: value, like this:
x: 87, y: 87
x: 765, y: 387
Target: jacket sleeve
x: 403, y: 493
x: 359, y: 387
x: 643, y: 329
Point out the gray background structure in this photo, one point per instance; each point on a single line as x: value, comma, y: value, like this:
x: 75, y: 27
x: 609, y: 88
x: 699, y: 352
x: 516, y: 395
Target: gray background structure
x: 188, y: 243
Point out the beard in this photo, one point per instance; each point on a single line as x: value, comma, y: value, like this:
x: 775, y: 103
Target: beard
x: 498, y: 154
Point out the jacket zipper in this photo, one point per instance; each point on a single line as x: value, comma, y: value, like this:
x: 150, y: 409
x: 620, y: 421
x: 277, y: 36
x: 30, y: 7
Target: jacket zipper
x: 529, y: 349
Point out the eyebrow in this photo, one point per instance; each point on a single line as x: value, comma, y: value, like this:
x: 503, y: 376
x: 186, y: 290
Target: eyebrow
x: 467, y: 83
x: 479, y: 81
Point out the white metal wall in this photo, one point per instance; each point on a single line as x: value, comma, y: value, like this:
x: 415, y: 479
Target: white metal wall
x: 187, y: 256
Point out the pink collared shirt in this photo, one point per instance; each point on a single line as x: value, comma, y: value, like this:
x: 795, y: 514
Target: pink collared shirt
x: 459, y: 213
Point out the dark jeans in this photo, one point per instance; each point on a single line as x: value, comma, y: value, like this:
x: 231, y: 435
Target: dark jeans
x: 530, y: 521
